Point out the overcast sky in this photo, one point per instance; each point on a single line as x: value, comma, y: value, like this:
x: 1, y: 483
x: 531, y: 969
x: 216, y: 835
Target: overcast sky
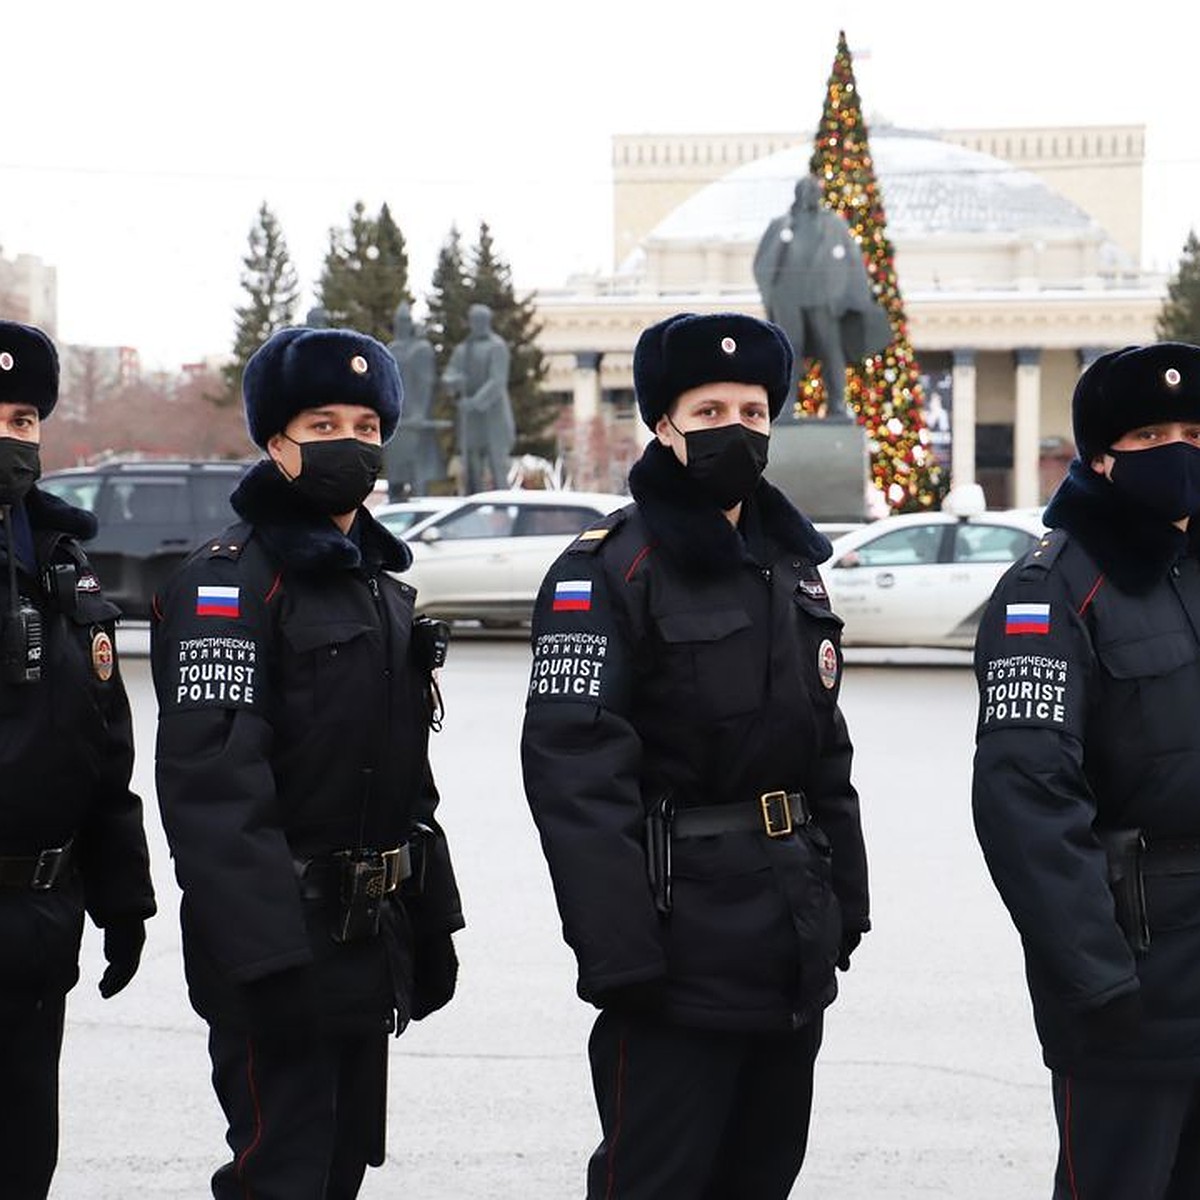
x: 140, y: 138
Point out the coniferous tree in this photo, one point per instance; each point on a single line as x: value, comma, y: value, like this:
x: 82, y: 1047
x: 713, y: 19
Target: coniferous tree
x: 446, y: 325
x: 1179, y: 320
x: 448, y: 300
x: 515, y: 320
x: 884, y: 391
x: 272, y: 294
x: 365, y: 275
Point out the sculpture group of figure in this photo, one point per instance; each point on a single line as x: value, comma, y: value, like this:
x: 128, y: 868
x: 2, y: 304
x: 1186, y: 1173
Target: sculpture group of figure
x: 477, y: 378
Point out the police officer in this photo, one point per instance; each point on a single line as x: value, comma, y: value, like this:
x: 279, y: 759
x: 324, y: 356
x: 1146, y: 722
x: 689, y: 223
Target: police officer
x: 296, y: 697
x: 688, y: 769
x: 1087, y: 778
x: 71, y: 835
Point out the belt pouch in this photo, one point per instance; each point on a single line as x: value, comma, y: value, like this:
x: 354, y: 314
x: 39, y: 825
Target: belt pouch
x: 362, y: 878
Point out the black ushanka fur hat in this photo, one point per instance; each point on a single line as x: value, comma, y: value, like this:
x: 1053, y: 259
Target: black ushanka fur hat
x: 28, y: 367
x: 690, y: 349
x: 1126, y: 389
x: 299, y: 368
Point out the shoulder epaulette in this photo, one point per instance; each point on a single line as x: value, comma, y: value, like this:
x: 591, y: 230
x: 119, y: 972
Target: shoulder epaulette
x: 1042, y: 557
x: 594, y: 536
x: 229, y: 543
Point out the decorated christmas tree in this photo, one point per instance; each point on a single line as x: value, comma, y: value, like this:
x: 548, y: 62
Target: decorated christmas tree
x: 884, y: 391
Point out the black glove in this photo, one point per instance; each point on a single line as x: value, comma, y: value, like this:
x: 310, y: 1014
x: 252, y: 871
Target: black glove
x: 123, y: 942
x: 435, y: 972
x: 1114, y: 1023
x: 645, y: 998
x: 850, y: 940
x: 283, y: 1004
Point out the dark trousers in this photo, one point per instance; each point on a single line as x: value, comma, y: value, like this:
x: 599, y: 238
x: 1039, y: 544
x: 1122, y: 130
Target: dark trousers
x: 694, y: 1114
x: 30, y: 1047
x: 305, y: 1117
x: 1127, y: 1140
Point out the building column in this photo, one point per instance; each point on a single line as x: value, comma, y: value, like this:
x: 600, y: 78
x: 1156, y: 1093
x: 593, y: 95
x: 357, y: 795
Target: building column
x: 962, y: 451
x: 1027, y: 427
x: 587, y: 385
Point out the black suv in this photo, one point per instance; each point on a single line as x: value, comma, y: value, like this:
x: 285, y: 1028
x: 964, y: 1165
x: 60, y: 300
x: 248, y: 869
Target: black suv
x: 151, y: 515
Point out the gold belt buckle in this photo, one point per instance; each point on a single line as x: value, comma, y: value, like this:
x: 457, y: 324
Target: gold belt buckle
x: 776, y: 825
x: 397, y: 867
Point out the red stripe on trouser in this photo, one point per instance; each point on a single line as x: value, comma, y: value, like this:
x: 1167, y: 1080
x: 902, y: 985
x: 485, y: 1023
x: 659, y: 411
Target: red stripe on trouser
x: 616, y: 1133
x: 258, y: 1124
x: 1067, y: 1142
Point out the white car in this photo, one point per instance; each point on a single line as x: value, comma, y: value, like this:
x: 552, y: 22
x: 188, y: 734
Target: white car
x: 401, y: 515
x: 923, y: 579
x: 484, y: 557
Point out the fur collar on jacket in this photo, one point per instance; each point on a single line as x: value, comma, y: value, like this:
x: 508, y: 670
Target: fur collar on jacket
x: 693, y: 531
x: 1133, y: 547
x: 48, y: 512
x: 302, y: 538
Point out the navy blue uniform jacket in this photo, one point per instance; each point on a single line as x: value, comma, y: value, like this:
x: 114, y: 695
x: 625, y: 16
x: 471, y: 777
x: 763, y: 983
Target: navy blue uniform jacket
x: 294, y: 722
x: 672, y: 656
x: 66, y: 756
x: 1088, y: 660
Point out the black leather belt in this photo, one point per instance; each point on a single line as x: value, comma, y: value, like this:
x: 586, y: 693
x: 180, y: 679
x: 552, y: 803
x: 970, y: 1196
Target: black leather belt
x: 1171, y: 856
x: 321, y: 878
x: 39, y: 872
x: 774, y: 813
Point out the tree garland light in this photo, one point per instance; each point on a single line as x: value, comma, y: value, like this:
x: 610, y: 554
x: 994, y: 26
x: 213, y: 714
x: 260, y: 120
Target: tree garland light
x: 884, y: 391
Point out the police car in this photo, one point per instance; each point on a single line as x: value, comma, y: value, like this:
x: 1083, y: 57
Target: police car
x: 923, y: 579
x: 484, y: 557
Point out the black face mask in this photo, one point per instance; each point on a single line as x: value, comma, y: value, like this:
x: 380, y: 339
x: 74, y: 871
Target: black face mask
x: 1166, y: 479
x: 725, y: 462
x: 20, y: 467
x: 336, y: 476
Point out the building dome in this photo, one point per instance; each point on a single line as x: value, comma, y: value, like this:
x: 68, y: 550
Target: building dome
x: 936, y: 195
x: 929, y: 187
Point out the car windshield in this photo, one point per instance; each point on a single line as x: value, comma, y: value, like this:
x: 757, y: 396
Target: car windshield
x: 401, y: 519
x: 479, y: 521
x: 148, y: 502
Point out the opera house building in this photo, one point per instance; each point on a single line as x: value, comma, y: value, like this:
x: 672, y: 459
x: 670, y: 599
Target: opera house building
x: 1017, y: 253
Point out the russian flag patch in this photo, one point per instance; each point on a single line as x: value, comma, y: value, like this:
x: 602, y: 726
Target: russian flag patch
x: 1027, y: 618
x: 217, y: 602
x: 572, y: 595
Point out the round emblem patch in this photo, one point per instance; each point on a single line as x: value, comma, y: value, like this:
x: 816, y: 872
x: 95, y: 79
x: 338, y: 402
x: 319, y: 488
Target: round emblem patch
x: 786, y: 235
x: 728, y: 345
x: 102, y: 655
x: 6, y: 361
x: 827, y: 664
x: 1172, y: 377
x: 838, y: 252
x: 358, y: 365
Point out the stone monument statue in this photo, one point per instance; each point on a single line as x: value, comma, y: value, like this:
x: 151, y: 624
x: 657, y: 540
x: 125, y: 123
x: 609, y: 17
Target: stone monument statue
x: 815, y: 287
x: 413, y: 458
x: 478, y: 376
x: 317, y: 318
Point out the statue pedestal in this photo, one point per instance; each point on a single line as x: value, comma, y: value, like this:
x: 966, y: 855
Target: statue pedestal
x: 821, y: 466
